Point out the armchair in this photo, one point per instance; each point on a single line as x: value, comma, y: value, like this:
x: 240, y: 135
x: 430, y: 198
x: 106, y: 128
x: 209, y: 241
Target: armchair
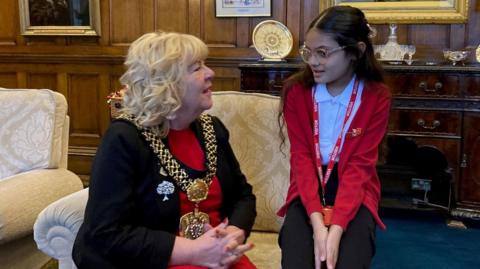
x: 33, y: 169
x: 252, y: 121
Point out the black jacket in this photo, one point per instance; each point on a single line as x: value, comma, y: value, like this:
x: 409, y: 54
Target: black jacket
x: 127, y: 224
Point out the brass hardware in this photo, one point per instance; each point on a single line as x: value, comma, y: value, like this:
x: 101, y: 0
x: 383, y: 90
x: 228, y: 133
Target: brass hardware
x: 463, y: 164
x: 422, y: 123
x: 424, y: 86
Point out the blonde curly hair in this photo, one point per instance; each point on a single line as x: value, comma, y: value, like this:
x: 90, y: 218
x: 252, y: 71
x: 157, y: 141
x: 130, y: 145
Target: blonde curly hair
x: 156, y: 63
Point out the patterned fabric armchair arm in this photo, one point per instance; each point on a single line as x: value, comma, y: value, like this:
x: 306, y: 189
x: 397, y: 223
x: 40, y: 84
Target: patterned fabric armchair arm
x: 57, y: 226
x: 23, y: 195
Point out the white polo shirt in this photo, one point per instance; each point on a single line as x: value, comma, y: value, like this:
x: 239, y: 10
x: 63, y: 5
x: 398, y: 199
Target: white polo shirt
x: 331, y: 112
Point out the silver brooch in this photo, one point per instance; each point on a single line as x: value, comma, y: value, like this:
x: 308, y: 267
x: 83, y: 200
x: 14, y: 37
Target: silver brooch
x: 165, y: 188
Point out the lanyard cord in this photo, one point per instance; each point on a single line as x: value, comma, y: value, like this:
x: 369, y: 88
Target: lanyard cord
x: 336, y: 148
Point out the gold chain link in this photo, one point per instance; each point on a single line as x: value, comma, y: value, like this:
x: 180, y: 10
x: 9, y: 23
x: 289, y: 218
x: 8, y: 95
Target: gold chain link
x: 168, y: 161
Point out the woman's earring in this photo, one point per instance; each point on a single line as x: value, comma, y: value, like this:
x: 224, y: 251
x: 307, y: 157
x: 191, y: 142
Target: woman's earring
x: 170, y: 117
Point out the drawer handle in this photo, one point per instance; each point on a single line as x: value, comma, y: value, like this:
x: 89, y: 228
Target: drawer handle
x: 421, y: 123
x: 437, y: 87
x: 463, y: 164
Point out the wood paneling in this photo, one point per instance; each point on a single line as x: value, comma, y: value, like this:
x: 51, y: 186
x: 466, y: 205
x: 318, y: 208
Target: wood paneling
x: 83, y: 98
x: 42, y: 81
x: 86, y: 69
x: 8, y: 80
x: 174, y: 16
x: 8, y: 23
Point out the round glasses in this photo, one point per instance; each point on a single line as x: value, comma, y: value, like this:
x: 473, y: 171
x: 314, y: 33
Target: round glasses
x: 320, y: 53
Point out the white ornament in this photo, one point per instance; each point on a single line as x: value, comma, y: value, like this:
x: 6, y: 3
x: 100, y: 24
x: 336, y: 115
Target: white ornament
x: 165, y: 188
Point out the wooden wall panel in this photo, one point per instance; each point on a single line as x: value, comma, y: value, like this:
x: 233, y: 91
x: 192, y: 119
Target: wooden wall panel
x: 226, y: 79
x: 8, y: 23
x: 219, y: 32
x: 174, y: 15
x: 42, y: 81
x: 130, y: 19
x: 114, y: 83
x: 8, y: 80
x: 84, y: 100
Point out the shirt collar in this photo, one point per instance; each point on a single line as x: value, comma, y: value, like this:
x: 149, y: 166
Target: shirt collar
x: 322, y: 95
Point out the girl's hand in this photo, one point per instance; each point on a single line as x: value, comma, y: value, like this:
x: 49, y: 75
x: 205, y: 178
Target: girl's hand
x: 320, y: 236
x: 333, y: 242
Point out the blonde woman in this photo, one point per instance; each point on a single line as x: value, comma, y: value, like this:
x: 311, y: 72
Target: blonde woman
x: 166, y: 190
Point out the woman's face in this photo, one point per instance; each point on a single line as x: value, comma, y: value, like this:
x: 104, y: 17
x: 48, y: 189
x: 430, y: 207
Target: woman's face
x: 198, y: 88
x: 335, y: 68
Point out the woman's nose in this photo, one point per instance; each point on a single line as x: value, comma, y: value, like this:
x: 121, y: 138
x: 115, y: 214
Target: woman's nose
x: 209, y: 73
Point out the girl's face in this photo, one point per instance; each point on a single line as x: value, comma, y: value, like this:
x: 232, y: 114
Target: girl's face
x: 329, y: 62
x: 197, y: 83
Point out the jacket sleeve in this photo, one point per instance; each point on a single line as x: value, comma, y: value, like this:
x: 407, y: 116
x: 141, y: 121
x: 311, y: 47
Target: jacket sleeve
x: 109, y: 218
x: 239, y: 200
x: 361, y: 166
x: 302, y: 161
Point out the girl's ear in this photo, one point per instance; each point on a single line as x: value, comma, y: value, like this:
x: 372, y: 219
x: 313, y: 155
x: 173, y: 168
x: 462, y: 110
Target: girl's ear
x: 362, y: 46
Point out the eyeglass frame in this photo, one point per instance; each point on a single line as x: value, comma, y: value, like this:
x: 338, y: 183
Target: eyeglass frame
x: 327, y: 52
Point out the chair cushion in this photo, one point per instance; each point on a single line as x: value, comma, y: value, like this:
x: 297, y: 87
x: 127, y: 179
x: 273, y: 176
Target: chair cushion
x: 251, y: 119
x: 32, y: 124
x: 266, y: 254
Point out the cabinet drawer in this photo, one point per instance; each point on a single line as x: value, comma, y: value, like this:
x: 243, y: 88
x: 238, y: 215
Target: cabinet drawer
x: 420, y: 84
x: 263, y: 81
x: 428, y: 122
x: 472, y: 89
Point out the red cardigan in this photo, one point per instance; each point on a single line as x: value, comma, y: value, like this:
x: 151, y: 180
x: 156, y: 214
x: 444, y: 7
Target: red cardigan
x: 358, y: 180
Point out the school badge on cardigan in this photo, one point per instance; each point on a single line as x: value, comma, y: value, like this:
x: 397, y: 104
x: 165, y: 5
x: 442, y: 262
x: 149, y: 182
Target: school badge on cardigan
x: 165, y: 188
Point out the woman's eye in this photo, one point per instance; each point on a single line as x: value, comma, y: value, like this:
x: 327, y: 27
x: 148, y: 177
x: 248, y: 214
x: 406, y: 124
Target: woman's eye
x: 195, y: 67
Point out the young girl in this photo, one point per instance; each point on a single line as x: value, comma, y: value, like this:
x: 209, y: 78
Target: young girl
x: 336, y: 112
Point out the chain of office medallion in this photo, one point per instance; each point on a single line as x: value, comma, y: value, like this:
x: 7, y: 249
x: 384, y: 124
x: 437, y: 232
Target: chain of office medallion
x: 170, y: 163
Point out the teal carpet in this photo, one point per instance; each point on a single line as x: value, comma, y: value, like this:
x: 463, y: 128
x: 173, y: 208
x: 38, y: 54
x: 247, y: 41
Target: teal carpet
x: 424, y: 241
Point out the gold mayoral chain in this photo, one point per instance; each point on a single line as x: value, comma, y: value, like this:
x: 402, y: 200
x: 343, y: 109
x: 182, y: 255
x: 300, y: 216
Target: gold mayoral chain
x: 191, y: 224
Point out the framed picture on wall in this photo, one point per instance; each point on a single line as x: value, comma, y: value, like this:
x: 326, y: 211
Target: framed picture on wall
x: 243, y: 8
x: 60, y: 17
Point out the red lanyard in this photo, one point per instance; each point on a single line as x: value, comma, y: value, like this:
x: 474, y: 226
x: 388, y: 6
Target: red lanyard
x: 336, y: 148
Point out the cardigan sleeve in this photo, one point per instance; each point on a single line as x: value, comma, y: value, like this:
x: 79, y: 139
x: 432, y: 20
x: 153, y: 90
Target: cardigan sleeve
x: 360, y: 167
x: 109, y: 224
x: 302, y: 161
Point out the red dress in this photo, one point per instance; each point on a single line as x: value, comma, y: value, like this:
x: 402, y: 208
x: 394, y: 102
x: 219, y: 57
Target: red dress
x: 185, y: 147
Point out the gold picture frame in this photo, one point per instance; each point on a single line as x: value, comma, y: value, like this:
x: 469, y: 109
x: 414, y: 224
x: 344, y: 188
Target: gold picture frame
x: 60, y: 17
x: 439, y: 11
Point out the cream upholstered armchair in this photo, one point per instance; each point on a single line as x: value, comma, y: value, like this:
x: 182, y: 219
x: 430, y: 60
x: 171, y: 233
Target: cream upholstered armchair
x: 33, y: 169
x: 252, y: 121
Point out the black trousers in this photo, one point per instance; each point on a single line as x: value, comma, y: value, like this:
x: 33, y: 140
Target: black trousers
x: 357, y: 245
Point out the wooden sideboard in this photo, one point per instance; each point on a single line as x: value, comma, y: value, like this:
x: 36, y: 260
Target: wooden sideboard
x: 433, y: 132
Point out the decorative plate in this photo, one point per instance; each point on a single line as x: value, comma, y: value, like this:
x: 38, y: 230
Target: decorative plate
x: 272, y: 40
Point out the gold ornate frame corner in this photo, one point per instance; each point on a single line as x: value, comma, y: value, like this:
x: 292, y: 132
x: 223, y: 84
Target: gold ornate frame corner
x: 93, y: 29
x: 415, y: 12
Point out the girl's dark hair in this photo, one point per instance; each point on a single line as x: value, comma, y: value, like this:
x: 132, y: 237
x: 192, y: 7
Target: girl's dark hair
x: 348, y: 26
